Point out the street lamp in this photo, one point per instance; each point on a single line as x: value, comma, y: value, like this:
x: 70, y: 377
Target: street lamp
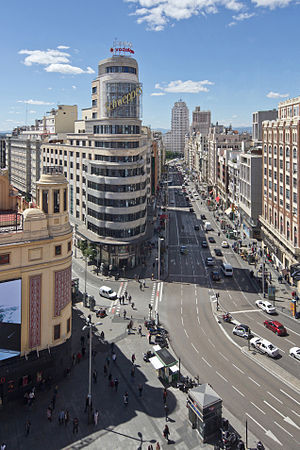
x: 89, y: 325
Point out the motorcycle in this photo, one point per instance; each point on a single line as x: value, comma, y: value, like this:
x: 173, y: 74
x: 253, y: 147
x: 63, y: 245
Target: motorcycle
x: 147, y: 356
x: 227, y: 317
x: 101, y: 313
x: 229, y: 439
x: 260, y: 446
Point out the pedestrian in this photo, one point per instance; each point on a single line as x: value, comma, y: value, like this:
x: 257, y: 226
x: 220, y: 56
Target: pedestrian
x: 126, y: 294
x: 140, y: 330
x: 144, y: 284
x: 129, y: 299
x: 133, y: 358
x: 105, y: 370
x: 114, y: 357
x: 95, y: 374
x: 132, y: 305
x: 31, y: 398
x: 124, y: 314
x: 140, y: 389
x: 67, y: 417
x: 166, y: 412
x: 116, y: 382
x: 112, y: 347
x: 96, y: 416
x: 27, y: 427
x: 75, y: 425
x: 132, y: 370
x: 49, y: 413
x: 165, y: 393
x: 141, y: 287
x: 78, y: 357
x: 125, y: 399
x: 82, y: 341
x: 123, y: 299
x: 157, y: 447
x: 150, y: 447
x: 3, y: 446
x: 87, y: 403
x: 61, y: 417
x: 166, y: 432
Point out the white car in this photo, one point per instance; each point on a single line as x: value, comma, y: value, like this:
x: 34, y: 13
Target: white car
x: 225, y: 244
x: 107, y: 292
x: 295, y: 352
x: 266, y: 306
x: 264, y: 346
x: 210, y: 261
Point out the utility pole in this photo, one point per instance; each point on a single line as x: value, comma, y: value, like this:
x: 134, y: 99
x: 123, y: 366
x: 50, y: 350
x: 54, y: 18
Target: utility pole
x: 263, y: 272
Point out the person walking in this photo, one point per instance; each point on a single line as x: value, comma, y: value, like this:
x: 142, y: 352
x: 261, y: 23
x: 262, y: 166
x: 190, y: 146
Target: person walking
x: 116, y: 381
x: 132, y: 370
x: 157, y: 447
x: 165, y: 393
x: 3, y: 446
x: 96, y: 416
x: 49, y: 413
x: 124, y: 314
x: 61, y: 417
x: 126, y: 294
x: 166, y: 433
x: 140, y: 389
x: 129, y: 299
x: 27, y: 427
x: 140, y: 330
x: 87, y: 403
x: 67, y: 417
x: 95, y: 374
x: 75, y: 425
x: 114, y: 357
x: 133, y: 358
x: 166, y: 412
x: 125, y: 399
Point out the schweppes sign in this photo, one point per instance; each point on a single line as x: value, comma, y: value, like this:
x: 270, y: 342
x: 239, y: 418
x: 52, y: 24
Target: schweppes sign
x: 125, y: 100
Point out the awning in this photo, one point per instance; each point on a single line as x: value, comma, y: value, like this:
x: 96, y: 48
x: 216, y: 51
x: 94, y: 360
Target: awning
x: 228, y: 211
x: 156, y: 362
x: 174, y: 369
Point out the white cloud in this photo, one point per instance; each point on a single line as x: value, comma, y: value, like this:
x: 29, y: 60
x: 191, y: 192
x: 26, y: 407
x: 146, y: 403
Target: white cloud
x: 74, y: 87
x: 67, y: 69
x: 50, y: 88
x: 32, y: 111
x: 54, y: 60
x: 158, y: 13
x: 272, y: 94
x: 63, y: 47
x: 157, y: 94
x: 272, y: 4
x: 240, y: 17
x: 44, y: 57
x: 189, y: 86
x: 35, y: 102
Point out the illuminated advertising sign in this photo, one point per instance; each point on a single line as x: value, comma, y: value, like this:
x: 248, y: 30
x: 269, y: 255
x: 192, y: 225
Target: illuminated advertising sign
x: 120, y: 48
x: 125, y: 100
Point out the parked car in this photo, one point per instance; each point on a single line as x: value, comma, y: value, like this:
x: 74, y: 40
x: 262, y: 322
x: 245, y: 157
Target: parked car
x: 242, y: 331
x: 107, y: 292
x: 209, y: 261
x: 215, y: 275
x: 295, y: 352
x: 225, y: 244
x: 211, y: 239
x: 196, y: 228
x: 264, y: 346
x: 266, y: 306
x: 204, y: 244
x: 218, y: 252
x: 276, y: 327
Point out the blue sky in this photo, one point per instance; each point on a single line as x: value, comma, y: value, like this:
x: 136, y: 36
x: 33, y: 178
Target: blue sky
x: 230, y: 56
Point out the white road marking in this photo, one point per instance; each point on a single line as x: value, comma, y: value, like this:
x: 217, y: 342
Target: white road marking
x: 196, y: 300
x: 202, y: 330
x: 257, y: 408
x: 257, y: 423
x: 197, y: 310
x: 186, y: 332
x: 292, y: 331
x: 195, y: 348
x: 206, y: 361
x: 238, y: 391
x: 237, y: 368
x: 298, y: 403
x: 295, y: 413
x: 198, y: 320
x: 283, y: 429
x: 254, y: 381
x: 291, y: 342
x: 223, y: 356
x: 182, y: 321
x: 274, y: 397
x: 221, y: 376
x: 161, y: 291
x: 211, y: 343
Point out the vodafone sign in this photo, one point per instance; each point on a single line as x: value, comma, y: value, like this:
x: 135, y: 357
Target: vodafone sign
x: 122, y: 48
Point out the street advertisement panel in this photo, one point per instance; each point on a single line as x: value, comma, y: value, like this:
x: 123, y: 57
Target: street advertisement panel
x: 10, y: 318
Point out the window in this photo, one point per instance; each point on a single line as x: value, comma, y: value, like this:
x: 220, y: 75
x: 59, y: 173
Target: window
x: 287, y: 152
x: 56, y: 201
x: 4, y: 259
x: 45, y: 200
x: 69, y: 246
x: 294, y: 153
x: 57, y: 250
x: 69, y: 325
x: 57, y: 332
x: 65, y: 199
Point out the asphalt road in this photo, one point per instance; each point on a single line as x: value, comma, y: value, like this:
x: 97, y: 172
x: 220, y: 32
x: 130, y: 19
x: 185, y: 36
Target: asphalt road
x: 207, y: 348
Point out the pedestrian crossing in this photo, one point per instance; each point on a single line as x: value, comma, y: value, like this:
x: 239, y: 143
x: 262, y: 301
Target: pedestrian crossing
x: 115, y: 307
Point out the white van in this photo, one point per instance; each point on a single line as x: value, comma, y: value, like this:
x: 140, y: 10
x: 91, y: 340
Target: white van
x: 227, y: 269
x: 107, y: 292
x: 207, y: 226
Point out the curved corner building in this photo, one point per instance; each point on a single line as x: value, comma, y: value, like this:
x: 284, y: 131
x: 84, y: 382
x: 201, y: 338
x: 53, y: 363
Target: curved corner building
x: 116, y: 179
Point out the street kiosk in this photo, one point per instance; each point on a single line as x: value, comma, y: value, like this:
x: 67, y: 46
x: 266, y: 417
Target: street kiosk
x: 205, y: 411
x: 165, y: 364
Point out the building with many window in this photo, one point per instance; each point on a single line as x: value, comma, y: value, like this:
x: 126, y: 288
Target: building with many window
x: 179, y: 126
x: 281, y: 183
x: 201, y: 121
x: 257, y: 119
x: 35, y: 285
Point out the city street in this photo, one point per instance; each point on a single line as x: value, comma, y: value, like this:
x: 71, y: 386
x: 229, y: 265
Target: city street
x: 268, y: 398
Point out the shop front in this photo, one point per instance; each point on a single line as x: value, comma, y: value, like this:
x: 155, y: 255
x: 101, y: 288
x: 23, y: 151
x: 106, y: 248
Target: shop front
x: 205, y: 412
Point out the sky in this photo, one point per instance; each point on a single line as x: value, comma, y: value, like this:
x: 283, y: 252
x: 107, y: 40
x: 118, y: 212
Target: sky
x: 232, y: 57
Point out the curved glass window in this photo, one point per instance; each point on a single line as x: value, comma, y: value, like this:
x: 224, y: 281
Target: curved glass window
x: 116, y: 129
x: 102, y: 187
x: 105, y: 172
x: 117, y: 144
x: 117, y: 203
x: 116, y: 217
x: 106, y: 232
x: 120, y: 69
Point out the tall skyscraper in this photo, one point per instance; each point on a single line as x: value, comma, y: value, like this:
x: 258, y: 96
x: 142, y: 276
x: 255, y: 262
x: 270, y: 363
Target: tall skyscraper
x: 179, y: 126
x: 201, y: 121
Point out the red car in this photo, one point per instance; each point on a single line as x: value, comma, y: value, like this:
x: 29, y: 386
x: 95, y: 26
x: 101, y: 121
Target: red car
x: 275, y: 326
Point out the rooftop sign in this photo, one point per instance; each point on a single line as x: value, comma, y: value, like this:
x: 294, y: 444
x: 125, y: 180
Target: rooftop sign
x: 122, y: 48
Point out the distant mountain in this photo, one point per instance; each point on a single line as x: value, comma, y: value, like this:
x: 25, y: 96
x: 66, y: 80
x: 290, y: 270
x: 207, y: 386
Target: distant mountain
x: 5, y: 132
x: 162, y: 130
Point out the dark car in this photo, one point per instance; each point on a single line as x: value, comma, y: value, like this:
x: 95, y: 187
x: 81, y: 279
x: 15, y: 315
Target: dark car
x: 211, y: 239
x: 196, y: 228
x: 218, y: 252
x: 203, y: 216
x: 215, y: 275
x: 275, y: 326
x: 204, y: 244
